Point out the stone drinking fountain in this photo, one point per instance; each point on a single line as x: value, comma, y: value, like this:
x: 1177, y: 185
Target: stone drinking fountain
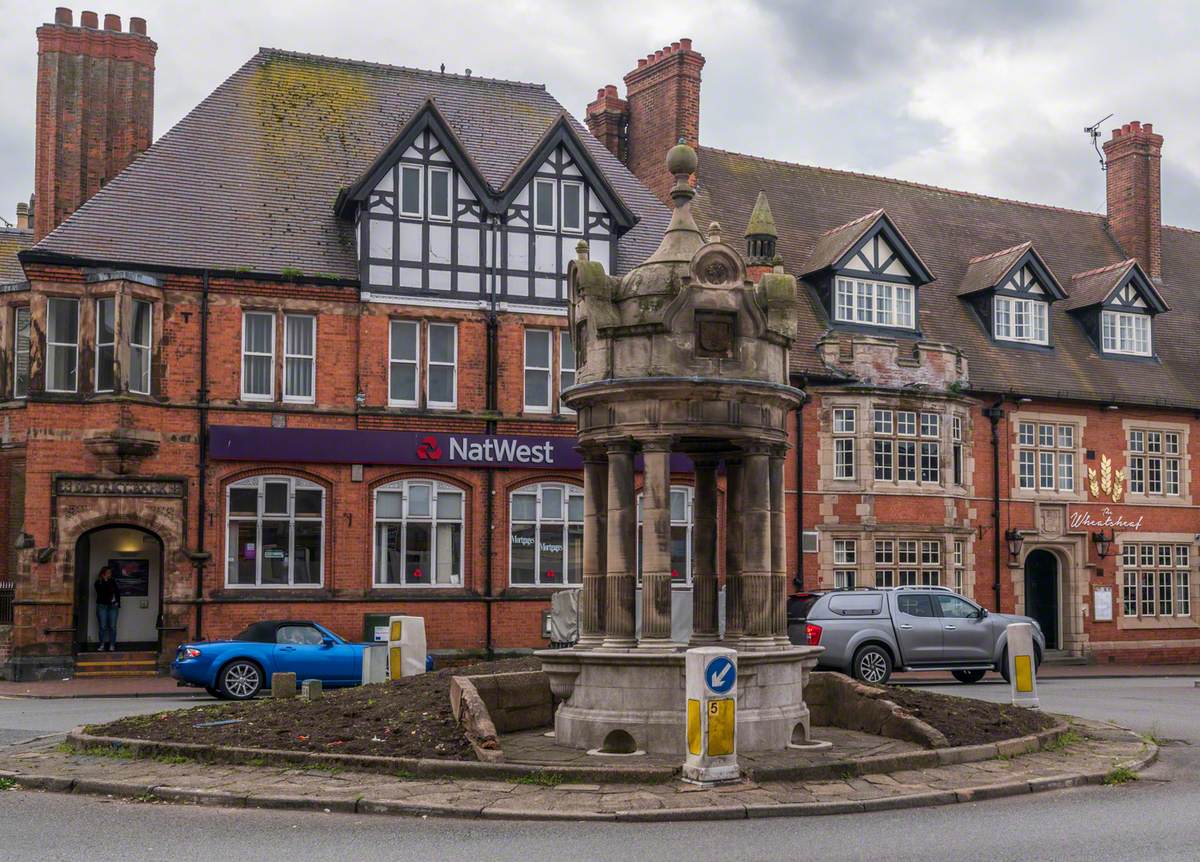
x: 682, y: 354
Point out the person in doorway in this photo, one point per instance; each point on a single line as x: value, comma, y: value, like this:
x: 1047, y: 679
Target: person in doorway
x: 108, y: 605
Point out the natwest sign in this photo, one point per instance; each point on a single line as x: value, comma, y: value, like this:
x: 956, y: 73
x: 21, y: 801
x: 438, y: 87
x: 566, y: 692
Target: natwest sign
x: 416, y: 448
x: 491, y: 451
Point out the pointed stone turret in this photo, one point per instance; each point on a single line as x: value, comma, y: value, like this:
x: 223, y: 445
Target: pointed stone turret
x: 761, y: 234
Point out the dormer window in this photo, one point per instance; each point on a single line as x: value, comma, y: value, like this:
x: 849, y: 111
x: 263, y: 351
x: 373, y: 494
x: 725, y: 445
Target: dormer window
x: 1124, y: 332
x: 1021, y: 319
x: 875, y: 303
x: 867, y: 274
x: 1116, y: 305
x: 1012, y: 291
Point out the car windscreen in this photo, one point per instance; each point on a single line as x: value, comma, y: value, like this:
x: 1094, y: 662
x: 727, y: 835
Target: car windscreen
x: 860, y: 605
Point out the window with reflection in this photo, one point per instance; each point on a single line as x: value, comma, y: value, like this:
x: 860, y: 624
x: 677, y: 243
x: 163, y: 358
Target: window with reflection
x: 274, y: 532
x: 546, y: 535
x: 418, y: 534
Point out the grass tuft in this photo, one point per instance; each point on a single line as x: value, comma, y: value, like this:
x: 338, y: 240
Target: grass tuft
x: 540, y: 779
x: 1119, y: 775
x: 7, y: 784
x: 1064, y: 741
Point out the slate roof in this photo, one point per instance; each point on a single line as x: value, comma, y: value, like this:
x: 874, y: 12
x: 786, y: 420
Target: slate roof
x: 12, y: 241
x: 984, y: 272
x: 948, y: 229
x: 1095, y: 286
x: 249, y: 178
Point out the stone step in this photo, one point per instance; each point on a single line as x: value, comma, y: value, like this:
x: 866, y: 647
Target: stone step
x: 113, y: 674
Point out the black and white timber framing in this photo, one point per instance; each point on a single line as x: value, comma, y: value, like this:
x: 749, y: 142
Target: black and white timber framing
x: 428, y: 225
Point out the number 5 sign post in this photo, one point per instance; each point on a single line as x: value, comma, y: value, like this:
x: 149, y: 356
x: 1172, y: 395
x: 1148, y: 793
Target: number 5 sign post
x: 711, y: 715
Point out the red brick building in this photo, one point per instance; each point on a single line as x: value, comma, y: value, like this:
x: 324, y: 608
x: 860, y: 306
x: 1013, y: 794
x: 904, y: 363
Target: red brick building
x: 302, y: 358
x: 1002, y: 394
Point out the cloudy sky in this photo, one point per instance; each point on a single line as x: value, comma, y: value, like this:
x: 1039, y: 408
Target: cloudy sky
x: 987, y: 97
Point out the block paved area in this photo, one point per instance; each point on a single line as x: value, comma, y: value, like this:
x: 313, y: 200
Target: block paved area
x: 533, y: 746
x: 1094, y: 752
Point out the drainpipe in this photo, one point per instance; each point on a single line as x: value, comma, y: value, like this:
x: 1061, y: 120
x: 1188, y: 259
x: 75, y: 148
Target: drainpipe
x: 799, y: 579
x: 994, y: 414
x: 492, y: 402
x: 202, y: 466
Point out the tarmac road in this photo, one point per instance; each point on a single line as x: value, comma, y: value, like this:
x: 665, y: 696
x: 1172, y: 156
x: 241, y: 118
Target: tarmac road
x: 1153, y: 819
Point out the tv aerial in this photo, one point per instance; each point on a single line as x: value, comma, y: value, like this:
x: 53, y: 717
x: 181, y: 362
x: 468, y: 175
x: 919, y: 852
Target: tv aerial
x: 1094, y: 132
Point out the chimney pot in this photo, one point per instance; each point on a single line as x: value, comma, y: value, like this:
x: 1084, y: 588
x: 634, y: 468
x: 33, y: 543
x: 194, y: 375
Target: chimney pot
x: 1148, y: 128
x: 610, y: 89
x: 675, y: 46
x: 89, y: 20
x: 686, y: 44
x: 112, y: 22
x: 138, y: 26
x: 641, y: 62
x: 63, y: 15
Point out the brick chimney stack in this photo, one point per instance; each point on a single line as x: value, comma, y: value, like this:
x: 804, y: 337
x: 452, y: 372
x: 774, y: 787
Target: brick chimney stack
x: 661, y: 108
x: 95, y: 109
x: 1134, y: 159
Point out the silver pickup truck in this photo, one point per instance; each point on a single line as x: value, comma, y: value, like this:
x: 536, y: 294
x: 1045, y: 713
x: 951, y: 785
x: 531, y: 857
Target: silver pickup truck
x: 868, y: 633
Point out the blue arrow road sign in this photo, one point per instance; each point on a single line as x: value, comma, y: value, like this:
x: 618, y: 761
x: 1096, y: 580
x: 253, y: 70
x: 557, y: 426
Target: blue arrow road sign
x: 720, y: 675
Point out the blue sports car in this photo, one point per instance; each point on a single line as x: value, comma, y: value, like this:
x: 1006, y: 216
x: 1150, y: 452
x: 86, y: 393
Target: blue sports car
x: 238, y: 669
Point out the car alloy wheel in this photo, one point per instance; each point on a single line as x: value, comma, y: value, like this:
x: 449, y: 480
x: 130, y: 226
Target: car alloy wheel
x: 241, y: 680
x: 872, y: 666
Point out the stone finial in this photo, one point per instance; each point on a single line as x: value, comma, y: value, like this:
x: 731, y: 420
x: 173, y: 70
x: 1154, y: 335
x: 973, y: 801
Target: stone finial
x: 761, y: 233
x: 581, y: 250
x: 714, y: 231
x: 762, y: 222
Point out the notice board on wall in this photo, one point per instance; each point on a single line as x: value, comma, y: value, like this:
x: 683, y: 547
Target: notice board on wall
x: 1102, y: 608
x: 132, y: 577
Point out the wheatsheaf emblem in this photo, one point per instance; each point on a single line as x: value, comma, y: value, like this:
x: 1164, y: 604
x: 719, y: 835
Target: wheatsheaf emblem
x: 1108, y: 482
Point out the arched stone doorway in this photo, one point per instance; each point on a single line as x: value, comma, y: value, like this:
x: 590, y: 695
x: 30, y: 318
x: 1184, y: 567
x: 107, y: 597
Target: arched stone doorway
x: 136, y: 555
x: 1042, y: 594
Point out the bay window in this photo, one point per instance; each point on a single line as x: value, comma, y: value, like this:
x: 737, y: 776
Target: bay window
x: 21, y: 352
x: 274, y: 532
x: 546, y: 535
x: 106, y: 344
x: 418, y: 534
x: 62, y: 344
x: 140, y: 341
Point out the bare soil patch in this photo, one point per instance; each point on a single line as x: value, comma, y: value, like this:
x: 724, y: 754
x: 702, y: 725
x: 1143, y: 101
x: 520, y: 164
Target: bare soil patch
x: 966, y: 721
x: 409, y: 717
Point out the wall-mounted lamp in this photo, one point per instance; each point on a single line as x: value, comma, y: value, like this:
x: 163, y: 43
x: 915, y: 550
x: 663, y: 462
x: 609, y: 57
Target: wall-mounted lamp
x: 1103, y: 543
x: 1024, y: 399
x: 1015, y: 539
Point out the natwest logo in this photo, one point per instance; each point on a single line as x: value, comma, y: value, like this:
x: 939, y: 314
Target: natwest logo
x: 428, y: 449
x: 500, y: 450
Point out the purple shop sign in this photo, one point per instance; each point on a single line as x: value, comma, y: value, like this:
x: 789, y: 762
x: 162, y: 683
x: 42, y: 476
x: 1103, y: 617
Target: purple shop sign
x: 419, y: 448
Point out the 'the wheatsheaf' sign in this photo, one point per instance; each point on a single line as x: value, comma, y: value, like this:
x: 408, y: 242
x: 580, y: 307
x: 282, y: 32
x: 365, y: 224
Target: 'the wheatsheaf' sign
x: 75, y: 487
x: 1105, y: 519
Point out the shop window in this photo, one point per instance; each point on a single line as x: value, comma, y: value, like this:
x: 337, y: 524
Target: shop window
x: 62, y: 344
x: 1155, y: 579
x: 546, y: 536
x: 418, y: 534
x: 681, y: 534
x: 274, y: 532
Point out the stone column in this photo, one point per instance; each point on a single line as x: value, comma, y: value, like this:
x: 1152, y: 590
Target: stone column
x: 705, y: 623
x: 620, y: 579
x: 779, y: 585
x: 656, y: 544
x: 735, y: 622
x: 595, y: 539
x: 756, y: 556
